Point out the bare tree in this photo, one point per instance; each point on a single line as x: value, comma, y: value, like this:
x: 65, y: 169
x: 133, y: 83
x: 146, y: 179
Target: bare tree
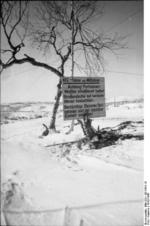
x: 55, y: 27
x: 14, y: 16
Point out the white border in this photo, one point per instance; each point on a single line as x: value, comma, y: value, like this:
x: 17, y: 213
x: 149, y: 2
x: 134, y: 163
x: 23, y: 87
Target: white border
x: 147, y: 90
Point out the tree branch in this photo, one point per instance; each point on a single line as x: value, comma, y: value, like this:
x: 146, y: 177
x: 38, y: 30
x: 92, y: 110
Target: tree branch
x: 32, y: 61
x: 19, y: 19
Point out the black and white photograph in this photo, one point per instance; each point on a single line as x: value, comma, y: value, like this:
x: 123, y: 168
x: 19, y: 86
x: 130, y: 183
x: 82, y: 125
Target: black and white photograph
x: 72, y: 113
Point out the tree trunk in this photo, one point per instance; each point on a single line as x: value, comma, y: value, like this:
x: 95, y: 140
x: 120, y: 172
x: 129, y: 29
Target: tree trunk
x: 56, y: 105
x: 86, y: 125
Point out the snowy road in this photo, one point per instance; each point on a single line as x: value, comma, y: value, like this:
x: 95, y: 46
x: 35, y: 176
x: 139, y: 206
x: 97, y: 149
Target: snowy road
x: 103, y: 187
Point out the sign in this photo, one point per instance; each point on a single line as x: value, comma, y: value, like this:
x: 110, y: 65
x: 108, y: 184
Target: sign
x: 83, y: 95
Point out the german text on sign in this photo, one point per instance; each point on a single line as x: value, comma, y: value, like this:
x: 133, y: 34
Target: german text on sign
x: 83, y: 95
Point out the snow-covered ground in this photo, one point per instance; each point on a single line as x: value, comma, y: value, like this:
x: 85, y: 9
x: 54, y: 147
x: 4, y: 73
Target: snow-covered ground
x: 100, y: 187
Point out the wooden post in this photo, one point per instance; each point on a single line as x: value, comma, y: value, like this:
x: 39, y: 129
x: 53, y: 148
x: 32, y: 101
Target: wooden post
x: 67, y: 217
x: 72, y: 45
x: 3, y: 219
x: 81, y: 222
x: 72, y: 54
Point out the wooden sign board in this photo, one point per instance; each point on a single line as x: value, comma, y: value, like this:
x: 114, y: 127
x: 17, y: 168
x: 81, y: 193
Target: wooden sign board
x: 83, y: 95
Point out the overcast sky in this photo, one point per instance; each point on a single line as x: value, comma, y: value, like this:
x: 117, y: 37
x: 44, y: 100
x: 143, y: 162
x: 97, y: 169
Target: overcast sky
x: 123, y: 75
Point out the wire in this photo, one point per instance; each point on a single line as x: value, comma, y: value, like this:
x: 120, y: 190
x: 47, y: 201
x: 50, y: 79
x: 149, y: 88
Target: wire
x: 124, y: 20
x: 123, y: 72
x: 16, y: 111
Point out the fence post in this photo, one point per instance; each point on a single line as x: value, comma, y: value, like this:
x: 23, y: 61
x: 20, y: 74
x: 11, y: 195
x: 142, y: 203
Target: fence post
x: 3, y: 219
x: 67, y: 217
x: 81, y: 222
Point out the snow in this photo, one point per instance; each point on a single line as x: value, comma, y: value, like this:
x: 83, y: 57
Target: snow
x: 102, y: 187
x: 127, y: 153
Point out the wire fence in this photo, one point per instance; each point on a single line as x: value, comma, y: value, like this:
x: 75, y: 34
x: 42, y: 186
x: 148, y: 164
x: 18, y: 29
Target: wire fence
x: 58, y: 217
x: 68, y: 216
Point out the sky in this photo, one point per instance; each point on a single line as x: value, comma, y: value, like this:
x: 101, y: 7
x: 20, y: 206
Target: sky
x: 123, y: 73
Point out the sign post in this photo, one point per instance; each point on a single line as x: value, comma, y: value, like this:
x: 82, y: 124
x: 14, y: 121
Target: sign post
x: 83, y: 95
